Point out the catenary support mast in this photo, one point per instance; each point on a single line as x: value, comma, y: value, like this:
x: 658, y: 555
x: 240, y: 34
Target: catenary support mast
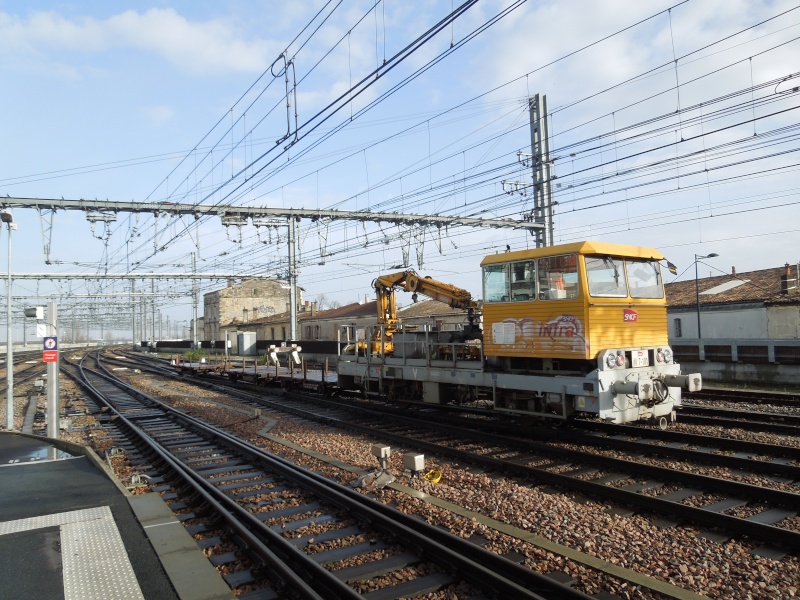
x: 542, y: 213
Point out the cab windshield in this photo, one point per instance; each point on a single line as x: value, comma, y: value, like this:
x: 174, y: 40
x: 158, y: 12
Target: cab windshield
x: 611, y: 277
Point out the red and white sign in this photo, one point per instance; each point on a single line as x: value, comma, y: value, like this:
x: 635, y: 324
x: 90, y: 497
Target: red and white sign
x: 50, y: 356
x: 630, y: 316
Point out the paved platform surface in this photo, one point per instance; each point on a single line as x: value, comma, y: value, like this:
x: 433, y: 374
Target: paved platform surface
x: 68, y: 531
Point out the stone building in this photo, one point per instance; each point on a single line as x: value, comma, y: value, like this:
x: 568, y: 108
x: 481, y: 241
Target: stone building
x: 250, y: 300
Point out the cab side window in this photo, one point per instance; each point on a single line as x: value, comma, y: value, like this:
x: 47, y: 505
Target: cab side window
x: 496, y: 284
x: 558, y: 277
x: 523, y: 281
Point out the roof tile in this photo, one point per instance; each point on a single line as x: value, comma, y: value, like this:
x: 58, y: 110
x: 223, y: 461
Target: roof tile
x: 761, y: 286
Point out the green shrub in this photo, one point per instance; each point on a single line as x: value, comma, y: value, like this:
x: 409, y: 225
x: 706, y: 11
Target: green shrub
x: 194, y: 355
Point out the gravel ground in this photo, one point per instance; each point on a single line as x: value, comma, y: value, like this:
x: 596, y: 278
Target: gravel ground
x: 21, y: 391
x: 676, y: 555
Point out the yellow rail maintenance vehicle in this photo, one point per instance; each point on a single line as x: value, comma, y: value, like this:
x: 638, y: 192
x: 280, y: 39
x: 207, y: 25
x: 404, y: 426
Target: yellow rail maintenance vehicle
x: 571, y: 329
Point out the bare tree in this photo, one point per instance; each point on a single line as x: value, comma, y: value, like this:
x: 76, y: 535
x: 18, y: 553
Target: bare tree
x: 323, y: 303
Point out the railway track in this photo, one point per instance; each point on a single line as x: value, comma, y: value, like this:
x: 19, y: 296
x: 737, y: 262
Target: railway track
x: 622, y: 481
x: 753, y: 420
x: 470, y: 486
x: 629, y: 481
x: 791, y: 399
x: 297, y: 522
x: 774, y: 412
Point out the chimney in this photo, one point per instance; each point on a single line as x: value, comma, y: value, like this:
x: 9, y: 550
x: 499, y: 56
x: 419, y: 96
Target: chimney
x: 366, y: 299
x: 789, y: 284
x: 733, y: 271
x: 313, y: 308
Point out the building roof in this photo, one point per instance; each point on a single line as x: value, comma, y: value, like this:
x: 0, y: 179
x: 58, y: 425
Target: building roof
x: 349, y: 310
x: 369, y: 309
x: 752, y: 286
x: 428, y: 308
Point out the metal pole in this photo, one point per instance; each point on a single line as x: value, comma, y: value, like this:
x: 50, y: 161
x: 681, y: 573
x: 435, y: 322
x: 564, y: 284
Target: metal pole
x: 292, y: 283
x: 697, y: 294
x: 53, y: 404
x: 697, y: 258
x: 194, y: 305
x: 153, y: 310
x: 9, y: 346
x: 542, y: 212
x: 133, y: 313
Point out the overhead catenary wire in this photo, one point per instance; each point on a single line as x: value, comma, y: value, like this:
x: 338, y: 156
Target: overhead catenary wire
x: 438, y: 192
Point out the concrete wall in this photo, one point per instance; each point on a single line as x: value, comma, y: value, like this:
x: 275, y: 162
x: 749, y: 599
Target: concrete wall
x: 743, y: 322
x: 751, y: 374
x: 784, y: 322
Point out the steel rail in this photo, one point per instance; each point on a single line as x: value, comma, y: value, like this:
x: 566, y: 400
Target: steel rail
x: 658, y: 505
x: 505, y: 578
x: 749, y: 420
x: 692, y: 438
x: 278, y: 555
x: 733, y: 462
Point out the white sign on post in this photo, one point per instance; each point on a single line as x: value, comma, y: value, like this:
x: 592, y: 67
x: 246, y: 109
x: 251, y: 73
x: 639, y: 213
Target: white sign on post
x: 41, y: 329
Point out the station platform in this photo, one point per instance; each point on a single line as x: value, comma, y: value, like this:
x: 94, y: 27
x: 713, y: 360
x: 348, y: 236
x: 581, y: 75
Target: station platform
x: 69, y: 529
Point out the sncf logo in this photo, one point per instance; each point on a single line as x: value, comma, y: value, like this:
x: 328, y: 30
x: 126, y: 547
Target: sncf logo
x: 630, y: 316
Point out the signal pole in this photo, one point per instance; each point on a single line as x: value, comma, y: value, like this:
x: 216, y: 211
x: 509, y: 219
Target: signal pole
x: 53, y: 404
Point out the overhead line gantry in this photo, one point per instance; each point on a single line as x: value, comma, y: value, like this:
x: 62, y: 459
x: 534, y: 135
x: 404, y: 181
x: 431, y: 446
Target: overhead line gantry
x: 105, y: 211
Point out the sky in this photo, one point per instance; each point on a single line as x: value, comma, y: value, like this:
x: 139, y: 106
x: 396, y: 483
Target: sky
x: 672, y: 125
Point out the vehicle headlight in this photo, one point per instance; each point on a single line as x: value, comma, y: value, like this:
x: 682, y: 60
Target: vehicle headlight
x: 667, y: 355
x: 611, y: 361
x: 660, y: 356
x: 620, y: 359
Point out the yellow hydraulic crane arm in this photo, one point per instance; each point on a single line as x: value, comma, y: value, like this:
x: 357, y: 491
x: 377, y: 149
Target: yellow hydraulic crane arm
x: 412, y: 282
x: 409, y: 281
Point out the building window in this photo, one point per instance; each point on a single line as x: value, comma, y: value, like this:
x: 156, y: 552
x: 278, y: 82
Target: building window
x: 308, y: 332
x: 272, y: 333
x: 316, y: 332
x: 283, y: 333
x: 678, y: 330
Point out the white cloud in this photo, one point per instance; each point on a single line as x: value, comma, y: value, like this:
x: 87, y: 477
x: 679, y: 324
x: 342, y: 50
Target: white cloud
x: 212, y: 46
x: 158, y: 115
